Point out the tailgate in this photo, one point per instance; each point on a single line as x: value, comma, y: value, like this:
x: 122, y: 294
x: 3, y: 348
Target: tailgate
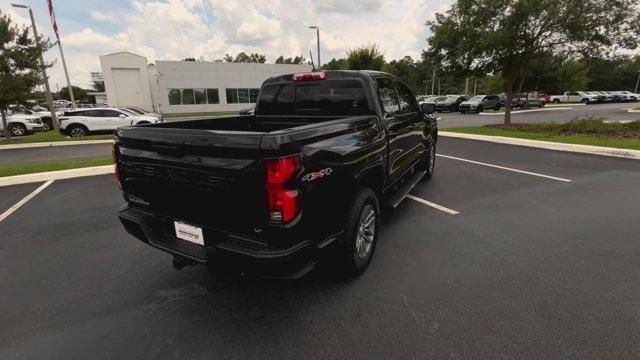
x: 212, y: 178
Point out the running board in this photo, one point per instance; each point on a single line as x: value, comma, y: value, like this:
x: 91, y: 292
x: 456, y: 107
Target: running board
x: 406, y: 188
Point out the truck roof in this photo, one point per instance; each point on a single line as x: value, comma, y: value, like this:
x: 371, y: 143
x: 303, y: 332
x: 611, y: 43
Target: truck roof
x: 333, y: 74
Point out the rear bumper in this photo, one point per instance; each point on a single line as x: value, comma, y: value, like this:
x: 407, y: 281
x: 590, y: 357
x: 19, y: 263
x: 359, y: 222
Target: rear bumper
x: 224, y: 248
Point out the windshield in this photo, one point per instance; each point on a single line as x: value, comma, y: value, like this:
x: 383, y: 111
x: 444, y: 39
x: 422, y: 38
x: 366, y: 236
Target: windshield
x: 135, y: 110
x: 328, y: 97
x: 477, y: 98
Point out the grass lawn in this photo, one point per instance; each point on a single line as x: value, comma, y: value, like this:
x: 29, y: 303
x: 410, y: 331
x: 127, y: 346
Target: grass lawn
x: 586, y: 132
x: 52, y: 166
x: 636, y: 109
x: 51, y: 136
x: 206, y: 113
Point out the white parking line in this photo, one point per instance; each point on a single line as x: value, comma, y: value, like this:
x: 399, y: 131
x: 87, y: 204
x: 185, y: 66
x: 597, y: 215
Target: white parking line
x: 15, y: 207
x: 433, y: 205
x: 505, y: 168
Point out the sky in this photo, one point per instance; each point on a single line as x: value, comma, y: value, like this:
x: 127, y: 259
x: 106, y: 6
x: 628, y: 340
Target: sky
x: 177, y: 29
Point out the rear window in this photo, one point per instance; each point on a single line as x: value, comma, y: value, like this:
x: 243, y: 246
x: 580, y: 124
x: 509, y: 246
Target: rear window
x: 327, y: 98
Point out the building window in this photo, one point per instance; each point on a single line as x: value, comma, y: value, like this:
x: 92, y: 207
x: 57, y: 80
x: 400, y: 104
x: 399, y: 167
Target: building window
x: 212, y: 96
x: 200, y: 96
x: 175, y: 97
x: 187, y: 97
x: 193, y: 96
x: 242, y: 96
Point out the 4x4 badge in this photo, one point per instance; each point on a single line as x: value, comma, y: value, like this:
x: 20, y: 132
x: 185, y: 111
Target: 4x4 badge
x: 318, y: 174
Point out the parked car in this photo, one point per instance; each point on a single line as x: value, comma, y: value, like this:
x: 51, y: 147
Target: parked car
x: 527, y: 101
x: 22, y: 124
x: 479, y: 103
x: 82, y: 122
x: 632, y: 96
x: 138, y: 111
x: 544, y: 96
x: 575, y: 97
x: 300, y: 182
x: 621, y: 96
x: 451, y: 103
x: 248, y: 111
x: 431, y: 99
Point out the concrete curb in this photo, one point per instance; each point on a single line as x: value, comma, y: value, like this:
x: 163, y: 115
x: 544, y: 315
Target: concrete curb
x: 54, y: 143
x: 527, y: 111
x: 575, y: 148
x: 633, y: 111
x: 56, y: 175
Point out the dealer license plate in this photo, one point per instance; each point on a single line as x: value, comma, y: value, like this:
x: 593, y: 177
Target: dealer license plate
x: 189, y: 233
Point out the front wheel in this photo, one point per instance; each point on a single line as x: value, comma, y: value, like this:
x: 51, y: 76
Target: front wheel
x: 479, y: 109
x: 361, y: 233
x: 430, y: 161
x: 556, y: 101
x: 497, y: 108
x: 18, y: 130
x: 585, y: 101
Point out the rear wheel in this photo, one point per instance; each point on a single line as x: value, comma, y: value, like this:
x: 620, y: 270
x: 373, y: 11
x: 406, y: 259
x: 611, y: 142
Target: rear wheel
x: 541, y: 105
x: 18, y: 130
x: 556, y: 101
x: 479, y: 109
x: 497, y: 107
x: 585, y: 101
x: 78, y: 131
x: 361, y: 233
x: 46, y: 124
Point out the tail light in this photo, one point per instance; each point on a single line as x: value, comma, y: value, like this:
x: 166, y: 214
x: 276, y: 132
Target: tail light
x: 284, y: 204
x: 116, y: 165
x: 310, y: 76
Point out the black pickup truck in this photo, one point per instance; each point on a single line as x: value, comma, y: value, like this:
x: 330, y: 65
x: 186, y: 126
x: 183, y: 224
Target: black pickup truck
x: 301, y: 181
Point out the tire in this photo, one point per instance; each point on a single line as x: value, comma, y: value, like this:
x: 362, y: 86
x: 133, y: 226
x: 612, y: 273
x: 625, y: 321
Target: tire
x: 360, y: 237
x: 18, y: 130
x: 77, y: 131
x: 541, y: 105
x: 142, y: 123
x: 497, y: 108
x: 556, y: 101
x: 479, y: 109
x: 46, y: 124
x: 462, y: 111
x: 585, y: 101
x: 429, y: 161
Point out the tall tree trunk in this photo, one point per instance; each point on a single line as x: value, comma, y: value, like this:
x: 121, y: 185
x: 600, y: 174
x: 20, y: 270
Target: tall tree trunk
x: 508, y: 103
x: 5, y: 125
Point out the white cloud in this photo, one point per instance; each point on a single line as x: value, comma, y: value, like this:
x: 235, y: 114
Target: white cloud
x: 176, y: 29
x: 102, y: 16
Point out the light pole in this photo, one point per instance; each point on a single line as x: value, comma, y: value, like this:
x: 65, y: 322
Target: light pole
x: 637, y: 82
x: 318, y: 39
x: 54, y: 118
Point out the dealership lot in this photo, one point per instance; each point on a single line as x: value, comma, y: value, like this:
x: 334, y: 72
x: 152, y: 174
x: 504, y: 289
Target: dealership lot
x: 539, y: 259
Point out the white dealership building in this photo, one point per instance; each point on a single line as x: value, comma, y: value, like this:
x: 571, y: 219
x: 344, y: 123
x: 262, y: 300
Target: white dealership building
x: 185, y: 86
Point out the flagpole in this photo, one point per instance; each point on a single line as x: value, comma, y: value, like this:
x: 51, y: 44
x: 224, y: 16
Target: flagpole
x: 64, y: 62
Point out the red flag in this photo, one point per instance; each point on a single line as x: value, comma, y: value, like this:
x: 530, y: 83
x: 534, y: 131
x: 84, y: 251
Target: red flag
x: 53, y: 19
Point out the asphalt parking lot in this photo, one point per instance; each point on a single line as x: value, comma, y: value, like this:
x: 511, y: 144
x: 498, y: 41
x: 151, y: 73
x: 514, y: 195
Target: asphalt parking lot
x: 540, y: 261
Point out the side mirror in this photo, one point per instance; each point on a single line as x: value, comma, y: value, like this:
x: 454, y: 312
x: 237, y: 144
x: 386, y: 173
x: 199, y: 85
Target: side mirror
x: 122, y: 116
x: 428, y: 108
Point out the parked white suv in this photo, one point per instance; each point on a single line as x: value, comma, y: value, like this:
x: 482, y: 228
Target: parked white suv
x: 20, y: 124
x: 82, y: 122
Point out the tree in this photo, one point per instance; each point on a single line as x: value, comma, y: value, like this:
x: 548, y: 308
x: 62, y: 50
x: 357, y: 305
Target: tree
x: 335, y: 64
x: 20, y: 68
x: 244, y: 58
x: 296, y: 60
x: 366, y: 57
x: 504, y: 37
x: 189, y: 59
x: 78, y: 93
